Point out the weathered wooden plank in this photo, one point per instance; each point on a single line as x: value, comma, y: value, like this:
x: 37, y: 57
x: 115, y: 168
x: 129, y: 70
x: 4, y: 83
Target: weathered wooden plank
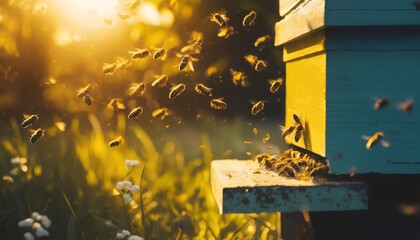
x: 307, y: 19
x: 354, y: 79
x: 285, y: 6
x: 299, y: 49
x: 239, y: 189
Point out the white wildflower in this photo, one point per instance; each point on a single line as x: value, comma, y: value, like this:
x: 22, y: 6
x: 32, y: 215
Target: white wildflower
x: 135, y: 237
x: 126, y: 233
x: 126, y: 188
x: 132, y: 163
x: 28, y: 236
x: 120, y: 236
x: 127, y: 198
x: 41, y: 232
x: 134, y: 189
x: 123, y: 234
x: 36, y: 216
x: 26, y: 223
x: 45, y: 221
x: 36, y: 226
x: 18, y: 161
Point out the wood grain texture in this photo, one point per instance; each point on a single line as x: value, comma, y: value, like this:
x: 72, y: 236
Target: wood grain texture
x: 300, y: 49
x: 238, y: 189
x: 285, y: 6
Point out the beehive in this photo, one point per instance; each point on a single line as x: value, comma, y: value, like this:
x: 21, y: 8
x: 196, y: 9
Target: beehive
x: 341, y: 56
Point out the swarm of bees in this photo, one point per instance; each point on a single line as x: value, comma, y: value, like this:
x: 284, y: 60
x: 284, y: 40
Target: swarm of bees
x: 293, y: 163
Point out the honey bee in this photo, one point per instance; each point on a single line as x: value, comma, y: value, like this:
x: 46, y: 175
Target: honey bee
x: 220, y: 18
x: 61, y: 126
x: 37, y: 135
x: 380, y: 103
x: 139, y: 53
x: 226, y: 31
x: 135, y: 113
x: 218, y: 103
x: 297, y: 128
x: 195, y: 44
x: 247, y: 142
x: 275, y: 84
x: 260, y: 65
x: 249, y: 19
x: 115, y: 142
x: 84, y: 90
x: 286, y: 131
x: 134, y: 4
x: 176, y: 90
x: 29, y: 120
x: 407, y: 105
x: 116, y: 104
x: 251, y: 59
x: 255, y: 131
x: 159, y: 54
x: 260, y: 42
x: 374, y: 139
x: 87, y: 99
x: 109, y: 68
x: 257, y: 107
x: 109, y: 21
x: 212, y: 70
x: 160, y: 81
x: 266, y: 138
x: 238, y: 77
x: 186, y: 60
x: 203, y: 90
x: 136, y: 89
x: 160, y: 113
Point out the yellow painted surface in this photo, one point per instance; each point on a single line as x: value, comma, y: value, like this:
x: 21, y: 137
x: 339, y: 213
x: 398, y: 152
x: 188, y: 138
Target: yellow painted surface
x: 305, y: 48
x: 305, y: 97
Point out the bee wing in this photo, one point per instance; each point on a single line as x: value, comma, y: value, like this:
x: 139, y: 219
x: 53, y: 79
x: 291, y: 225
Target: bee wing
x: 26, y: 116
x: 366, y: 137
x: 120, y: 105
x: 32, y: 131
x: 297, y: 119
x: 191, y: 65
x: 385, y: 144
x: 186, y: 49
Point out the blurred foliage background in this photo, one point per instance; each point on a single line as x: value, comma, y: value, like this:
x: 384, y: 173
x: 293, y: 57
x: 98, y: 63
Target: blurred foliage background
x: 50, y: 49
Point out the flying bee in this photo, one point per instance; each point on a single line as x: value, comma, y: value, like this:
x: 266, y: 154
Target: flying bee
x: 135, y: 113
x: 220, y: 18
x: 286, y: 131
x: 249, y: 19
x: 186, y: 60
x: 136, y: 89
x: 160, y: 113
x: 275, y: 84
x: 115, y: 142
x: 251, y: 59
x: 116, y: 104
x: 260, y: 65
x: 160, y: 81
x: 380, y: 103
x: 257, y: 107
x: 297, y: 128
x: 374, y: 139
x: 260, y: 42
x: 29, y: 120
x: 109, y: 68
x: 218, y: 103
x: 134, y: 4
x: 195, y: 44
x: 226, y: 31
x: 61, y: 126
x: 37, y: 135
x: 176, y: 90
x: 139, y: 54
x: 159, y: 54
x: 203, y: 90
x: 298, y: 132
x: 266, y: 138
x: 238, y: 77
x: 123, y: 16
x: 87, y: 99
x: 407, y: 105
x: 84, y: 90
x: 109, y: 21
x: 255, y: 131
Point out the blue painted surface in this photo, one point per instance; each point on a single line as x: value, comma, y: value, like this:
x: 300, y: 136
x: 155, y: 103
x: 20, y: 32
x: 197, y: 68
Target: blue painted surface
x: 360, y: 67
x: 369, y: 5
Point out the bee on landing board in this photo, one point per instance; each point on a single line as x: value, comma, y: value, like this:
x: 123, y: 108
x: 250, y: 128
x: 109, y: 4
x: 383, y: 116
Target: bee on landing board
x: 374, y: 139
x: 29, y: 120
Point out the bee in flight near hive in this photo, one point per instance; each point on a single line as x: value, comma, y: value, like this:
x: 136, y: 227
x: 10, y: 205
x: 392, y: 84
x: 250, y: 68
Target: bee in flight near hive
x: 249, y: 19
x: 261, y: 41
x: 238, y: 77
x: 159, y: 54
x: 195, y: 44
x: 109, y: 68
x: 84, y: 90
x: 29, y: 120
x: 176, y: 90
x: 61, y: 126
x: 256, y: 63
x: 37, y: 135
x: 160, y: 113
x: 136, y: 89
x: 139, y: 53
x: 186, y: 60
x: 257, y: 107
x: 275, y: 84
x: 123, y: 16
x: 160, y: 80
x: 203, y: 90
x: 116, y: 104
x: 134, y: 4
x: 374, y: 139
x: 407, y: 105
x: 87, y: 99
x: 297, y: 128
x: 266, y: 138
x: 115, y: 142
x: 380, y: 103
x: 218, y: 103
x: 220, y: 18
x: 226, y: 31
x: 135, y: 113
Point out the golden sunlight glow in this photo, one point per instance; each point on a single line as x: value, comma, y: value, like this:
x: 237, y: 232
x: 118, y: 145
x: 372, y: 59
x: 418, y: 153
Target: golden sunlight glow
x: 148, y: 14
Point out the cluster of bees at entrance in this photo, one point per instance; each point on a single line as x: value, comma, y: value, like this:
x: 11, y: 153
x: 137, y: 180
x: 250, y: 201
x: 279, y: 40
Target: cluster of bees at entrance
x: 188, y: 55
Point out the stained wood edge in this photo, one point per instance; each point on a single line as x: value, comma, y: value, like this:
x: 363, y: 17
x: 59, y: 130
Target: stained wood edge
x: 285, y: 6
x: 315, y: 44
x: 238, y: 188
